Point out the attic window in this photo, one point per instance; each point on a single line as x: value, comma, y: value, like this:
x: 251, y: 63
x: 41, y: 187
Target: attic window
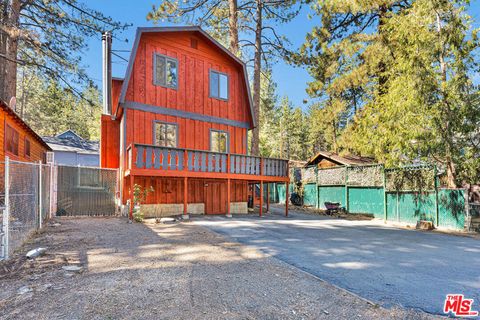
x: 193, y: 43
x: 218, y: 85
x: 165, y: 71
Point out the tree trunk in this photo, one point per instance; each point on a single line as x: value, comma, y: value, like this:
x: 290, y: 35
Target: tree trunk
x: 233, y: 26
x: 8, y: 68
x: 256, y: 77
x: 382, y: 78
x: 445, y: 114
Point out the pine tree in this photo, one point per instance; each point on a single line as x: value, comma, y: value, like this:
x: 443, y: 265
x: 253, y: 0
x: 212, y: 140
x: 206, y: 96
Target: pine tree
x: 50, y: 36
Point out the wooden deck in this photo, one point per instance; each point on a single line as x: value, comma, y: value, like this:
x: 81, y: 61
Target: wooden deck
x: 150, y: 160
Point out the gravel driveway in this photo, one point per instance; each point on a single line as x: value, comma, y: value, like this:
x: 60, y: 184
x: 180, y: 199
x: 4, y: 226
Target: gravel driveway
x: 178, y: 271
x: 391, y: 266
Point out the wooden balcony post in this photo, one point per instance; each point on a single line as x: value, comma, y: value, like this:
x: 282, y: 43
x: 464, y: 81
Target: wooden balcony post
x: 185, y: 199
x: 227, y: 170
x: 262, y: 173
x: 261, y: 198
x: 286, y: 199
x: 268, y: 197
x: 253, y: 196
x: 286, y: 190
x: 185, y: 160
x: 229, y: 214
x: 132, y: 204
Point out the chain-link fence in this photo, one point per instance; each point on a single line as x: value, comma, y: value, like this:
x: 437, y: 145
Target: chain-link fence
x: 84, y: 191
x: 26, y: 202
x: 31, y: 193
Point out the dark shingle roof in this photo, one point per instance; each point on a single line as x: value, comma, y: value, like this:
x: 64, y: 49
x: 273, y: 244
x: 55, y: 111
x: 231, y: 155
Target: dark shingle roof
x: 71, y: 143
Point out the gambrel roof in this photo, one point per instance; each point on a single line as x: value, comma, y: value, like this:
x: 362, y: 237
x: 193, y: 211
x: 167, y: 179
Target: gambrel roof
x: 193, y: 29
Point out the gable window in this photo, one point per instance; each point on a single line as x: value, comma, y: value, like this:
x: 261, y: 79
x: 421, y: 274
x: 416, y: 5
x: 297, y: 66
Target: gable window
x: 218, y: 85
x: 11, y: 140
x: 218, y: 141
x: 165, y: 134
x: 27, y: 148
x: 165, y: 71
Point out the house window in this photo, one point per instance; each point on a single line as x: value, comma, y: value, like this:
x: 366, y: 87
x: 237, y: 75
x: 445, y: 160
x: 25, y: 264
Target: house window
x: 89, y: 178
x: 218, y: 141
x: 218, y: 85
x: 165, y: 71
x: 165, y: 134
x: 27, y: 148
x: 11, y: 140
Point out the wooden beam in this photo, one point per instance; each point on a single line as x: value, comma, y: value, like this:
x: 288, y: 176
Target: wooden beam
x: 185, y: 198
x: 205, y: 175
x: 268, y: 197
x: 130, y: 213
x: 229, y: 214
x: 253, y: 196
x: 261, y: 198
x: 286, y: 199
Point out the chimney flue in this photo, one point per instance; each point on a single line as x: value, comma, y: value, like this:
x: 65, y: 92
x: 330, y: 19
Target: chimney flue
x: 107, y: 72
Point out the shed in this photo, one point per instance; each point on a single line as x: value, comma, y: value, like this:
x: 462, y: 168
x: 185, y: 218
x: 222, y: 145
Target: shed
x: 325, y: 159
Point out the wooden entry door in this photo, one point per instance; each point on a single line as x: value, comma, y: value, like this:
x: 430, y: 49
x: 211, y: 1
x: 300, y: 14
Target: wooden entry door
x: 216, y: 197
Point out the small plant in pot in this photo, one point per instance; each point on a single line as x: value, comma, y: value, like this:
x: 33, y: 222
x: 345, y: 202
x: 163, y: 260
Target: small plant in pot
x: 139, y: 196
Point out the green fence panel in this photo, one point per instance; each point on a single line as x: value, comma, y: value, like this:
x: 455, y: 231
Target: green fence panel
x: 366, y: 200
x: 331, y: 194
x: 310, y: 194
x: 410, y: 207
x: 451, y: 208
x: 281, y: 193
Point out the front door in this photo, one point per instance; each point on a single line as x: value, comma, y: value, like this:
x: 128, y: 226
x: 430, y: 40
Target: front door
x: 215, y: 197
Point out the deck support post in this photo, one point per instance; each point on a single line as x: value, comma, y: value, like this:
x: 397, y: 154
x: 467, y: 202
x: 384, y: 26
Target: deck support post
x: 253, y: 196
x: 130, y: 208
x: 268, y: 197
x: 185, y: 215
x: 286, y: 199
x: 261, y: 198
x: 229, y: 214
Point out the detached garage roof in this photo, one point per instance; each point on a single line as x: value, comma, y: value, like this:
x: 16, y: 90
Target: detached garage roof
x: 339, y: 160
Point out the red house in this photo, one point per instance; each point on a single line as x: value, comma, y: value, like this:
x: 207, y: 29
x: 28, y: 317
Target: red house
x: 18, y: 141
x: 179, y: 123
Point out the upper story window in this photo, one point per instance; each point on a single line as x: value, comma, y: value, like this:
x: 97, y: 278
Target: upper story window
x: 165, y: 134
x: 218, y: 141
x: 11, y: 140
x: 218, y: 85
x: 165, y: 71
x: 27, y: 148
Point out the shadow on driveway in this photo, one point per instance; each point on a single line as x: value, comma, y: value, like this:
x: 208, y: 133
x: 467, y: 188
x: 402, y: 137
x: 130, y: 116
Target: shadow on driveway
x: 381, y: 263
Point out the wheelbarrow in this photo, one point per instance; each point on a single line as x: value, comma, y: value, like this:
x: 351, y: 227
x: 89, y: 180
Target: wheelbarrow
x: 333, y: 207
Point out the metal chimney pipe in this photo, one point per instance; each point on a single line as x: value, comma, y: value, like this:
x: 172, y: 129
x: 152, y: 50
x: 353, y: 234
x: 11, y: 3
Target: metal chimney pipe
x: 107, y: 72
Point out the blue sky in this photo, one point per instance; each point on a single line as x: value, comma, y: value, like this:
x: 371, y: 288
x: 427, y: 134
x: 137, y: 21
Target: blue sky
x: 291, y: 81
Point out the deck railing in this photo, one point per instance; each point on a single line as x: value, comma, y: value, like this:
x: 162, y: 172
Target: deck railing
x: 142, y: 156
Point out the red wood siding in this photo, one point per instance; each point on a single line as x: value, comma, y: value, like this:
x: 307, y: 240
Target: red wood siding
x: 109, y: 142
x: 37, y: 150
x: 192, y: 134
x: 116, y: 88
x: 192, y: 94
x: 211, y: 192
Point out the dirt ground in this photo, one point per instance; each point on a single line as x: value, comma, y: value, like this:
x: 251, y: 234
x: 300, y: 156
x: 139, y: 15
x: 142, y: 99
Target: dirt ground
x: 176, y: 271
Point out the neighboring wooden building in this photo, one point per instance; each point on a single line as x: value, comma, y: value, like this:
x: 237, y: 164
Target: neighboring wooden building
x: 324, y: 159
x: 72, y: 150
x: 179, y: 123
x: 18, y: 141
